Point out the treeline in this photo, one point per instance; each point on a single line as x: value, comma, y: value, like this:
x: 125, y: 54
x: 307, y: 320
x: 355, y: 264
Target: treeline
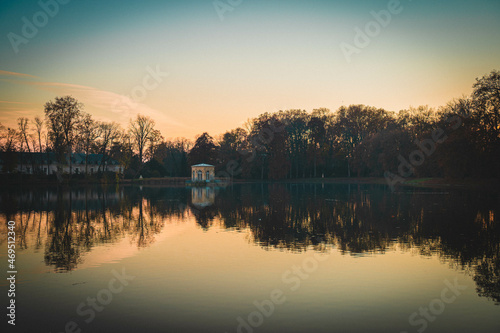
x: 460, y: 139
x: 67, y: 129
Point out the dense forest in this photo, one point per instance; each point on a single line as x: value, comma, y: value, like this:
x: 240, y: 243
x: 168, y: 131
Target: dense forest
x: 460, y: 139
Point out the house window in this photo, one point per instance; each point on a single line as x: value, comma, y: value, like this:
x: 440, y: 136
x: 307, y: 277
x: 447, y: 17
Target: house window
x: 207, y: 175
x: 200, y: 175
x: 194, y: 177
x: 91, y: 170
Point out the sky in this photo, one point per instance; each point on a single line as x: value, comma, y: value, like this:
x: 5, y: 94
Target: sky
x: 199, y: 66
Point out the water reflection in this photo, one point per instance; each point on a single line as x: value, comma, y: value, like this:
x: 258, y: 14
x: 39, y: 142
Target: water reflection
x: 461, y: 227
x: 202, y: 197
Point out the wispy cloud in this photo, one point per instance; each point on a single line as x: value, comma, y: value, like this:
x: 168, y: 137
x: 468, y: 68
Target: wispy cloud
x: 10, y: 102
x: 109, y: 104
x: 19, y: 75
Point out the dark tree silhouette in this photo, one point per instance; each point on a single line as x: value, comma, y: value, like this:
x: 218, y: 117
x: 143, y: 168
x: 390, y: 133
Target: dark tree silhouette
x: 203, y: 151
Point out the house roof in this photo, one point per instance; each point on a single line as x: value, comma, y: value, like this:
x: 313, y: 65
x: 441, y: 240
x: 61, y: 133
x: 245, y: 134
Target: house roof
x: 78, y: 158
x: 202, y: 165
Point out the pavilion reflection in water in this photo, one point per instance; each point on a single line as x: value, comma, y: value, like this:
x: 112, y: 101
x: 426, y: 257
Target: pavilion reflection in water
x: 202, y: 197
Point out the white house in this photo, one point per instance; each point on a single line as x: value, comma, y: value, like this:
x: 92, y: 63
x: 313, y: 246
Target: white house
x: 46, y: 163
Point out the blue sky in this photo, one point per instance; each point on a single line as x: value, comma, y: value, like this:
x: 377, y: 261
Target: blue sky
x: 262, y: 57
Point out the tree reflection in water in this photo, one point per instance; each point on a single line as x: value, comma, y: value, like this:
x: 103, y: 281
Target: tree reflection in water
x: 461, y: 227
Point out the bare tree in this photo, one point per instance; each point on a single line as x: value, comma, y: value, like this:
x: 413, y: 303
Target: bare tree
x: 88, y: 130
x: 8, y: 138
x: 38, y: 135
x: 62, y: 116
x: 3, y: 137
x: 141, y: 130
x: 39, y: 130
x: 155, y: 139
x: 32, y: 138
x: 23, y: 132
x: 22, y: 123
x: 122, y: 149
x: 108, y: 132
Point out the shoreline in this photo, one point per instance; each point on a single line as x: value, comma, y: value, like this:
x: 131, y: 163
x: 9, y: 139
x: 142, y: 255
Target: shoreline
x: 467, y: 183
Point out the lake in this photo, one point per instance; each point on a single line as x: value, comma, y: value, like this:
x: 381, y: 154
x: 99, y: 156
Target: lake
x: 253, y: 258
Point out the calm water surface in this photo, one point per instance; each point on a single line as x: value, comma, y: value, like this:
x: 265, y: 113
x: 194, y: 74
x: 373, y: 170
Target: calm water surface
x: 254, y: 258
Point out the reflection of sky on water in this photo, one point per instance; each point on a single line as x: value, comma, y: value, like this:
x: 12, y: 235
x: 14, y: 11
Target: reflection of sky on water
x: 388, y: 255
